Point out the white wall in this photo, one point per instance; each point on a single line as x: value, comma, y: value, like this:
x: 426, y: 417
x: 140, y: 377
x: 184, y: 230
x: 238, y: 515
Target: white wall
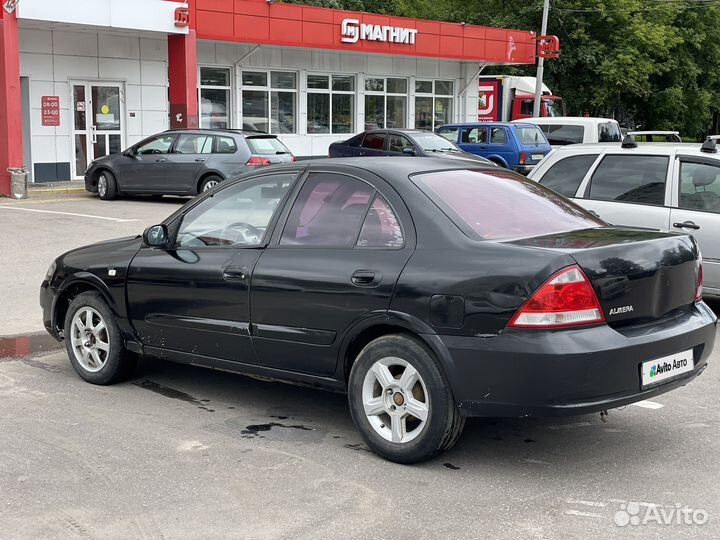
x: 308, y: 60
x: 52, y: 58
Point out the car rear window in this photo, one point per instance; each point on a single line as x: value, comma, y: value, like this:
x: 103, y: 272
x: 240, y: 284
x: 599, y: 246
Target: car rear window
x: 530, y: 135
x: 562, y: 134
x: 609, y: 132
x: 496, y: 205
x: 266, y: 146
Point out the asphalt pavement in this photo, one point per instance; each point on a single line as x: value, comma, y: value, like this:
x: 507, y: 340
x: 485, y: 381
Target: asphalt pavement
x: 184, y: 452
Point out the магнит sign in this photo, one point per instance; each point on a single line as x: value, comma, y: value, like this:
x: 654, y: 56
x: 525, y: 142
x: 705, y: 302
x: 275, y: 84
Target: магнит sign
x: 352, y: 31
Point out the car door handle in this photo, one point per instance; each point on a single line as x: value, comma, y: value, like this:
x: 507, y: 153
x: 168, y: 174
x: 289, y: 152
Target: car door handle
x: 366, y: 278
x: 235, y: 273
x: 161, y: 160
x: 686, y: 225
x: 200, y: 160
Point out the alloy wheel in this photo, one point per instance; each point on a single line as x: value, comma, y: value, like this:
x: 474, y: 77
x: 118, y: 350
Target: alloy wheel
x: 90, y: 339
x: 210, y: 184
x: 395, y: 400
x: 102, y: 186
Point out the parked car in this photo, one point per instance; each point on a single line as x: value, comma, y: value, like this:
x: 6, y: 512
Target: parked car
x: 183, y: 162
x: 401, y: 142
x: 427, y: 290
x: 514, y: 146
x: 660, y: 186
x: 564, y: 130
x: 655, y: 136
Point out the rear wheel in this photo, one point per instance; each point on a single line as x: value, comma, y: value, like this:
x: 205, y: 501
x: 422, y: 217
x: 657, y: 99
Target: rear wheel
x: 400, y: 401
x: 93, y: 341
x: 210, y: 182
x: 107, y: 186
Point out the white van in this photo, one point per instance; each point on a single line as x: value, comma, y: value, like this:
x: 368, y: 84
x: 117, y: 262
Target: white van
x: 564, y: 130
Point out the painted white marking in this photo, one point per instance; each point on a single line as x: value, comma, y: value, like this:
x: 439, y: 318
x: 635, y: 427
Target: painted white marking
x: 571, y: 426
x: 535, y: 461
x: 583, y: 514
x: 641, y: 503
x: 648, y: 404
x: 89, y: 216
x: 586, y: 503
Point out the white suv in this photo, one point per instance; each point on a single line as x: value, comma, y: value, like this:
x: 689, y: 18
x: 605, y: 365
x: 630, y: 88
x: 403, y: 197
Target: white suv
x: 661, y: 186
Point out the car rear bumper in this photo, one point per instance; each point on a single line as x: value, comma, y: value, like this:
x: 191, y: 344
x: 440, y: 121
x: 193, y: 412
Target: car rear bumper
x: 568, y: 372
x: 524, y: 169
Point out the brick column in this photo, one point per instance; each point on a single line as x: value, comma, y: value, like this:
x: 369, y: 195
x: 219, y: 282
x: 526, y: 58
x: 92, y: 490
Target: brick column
x: 11, y: 139
x: 182, y: 57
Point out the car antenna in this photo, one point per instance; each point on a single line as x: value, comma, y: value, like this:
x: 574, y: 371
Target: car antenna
x: 709, y: 146
x: 628, y: 142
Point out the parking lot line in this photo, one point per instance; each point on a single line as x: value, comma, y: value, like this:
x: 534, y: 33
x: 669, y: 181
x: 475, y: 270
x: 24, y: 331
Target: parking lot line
x: 116, y: 220
x: 646, y: 404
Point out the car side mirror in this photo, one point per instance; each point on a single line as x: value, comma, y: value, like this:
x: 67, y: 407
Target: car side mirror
x: 156, y: 236
x: 408, y: 151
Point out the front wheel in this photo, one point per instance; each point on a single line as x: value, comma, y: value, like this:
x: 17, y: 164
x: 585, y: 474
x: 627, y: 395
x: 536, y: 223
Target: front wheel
x: 94, y: 342
x: 400, y: 401
x: 107, y: 186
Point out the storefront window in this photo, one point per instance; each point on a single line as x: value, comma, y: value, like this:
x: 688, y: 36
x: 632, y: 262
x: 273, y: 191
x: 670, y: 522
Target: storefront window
x: 215, y: 97
x: 269, y: 101
x: 433, y: 104
x: 385, y: 102
x: 330, y: 103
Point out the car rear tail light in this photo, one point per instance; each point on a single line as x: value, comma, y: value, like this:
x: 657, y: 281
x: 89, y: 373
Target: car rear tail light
x: 699, y: 290
x: 566, y: 299
x: 523, y: 158
x: 256, y: 161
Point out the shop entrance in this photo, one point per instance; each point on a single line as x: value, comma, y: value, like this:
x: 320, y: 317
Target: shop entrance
x: 98, y: 111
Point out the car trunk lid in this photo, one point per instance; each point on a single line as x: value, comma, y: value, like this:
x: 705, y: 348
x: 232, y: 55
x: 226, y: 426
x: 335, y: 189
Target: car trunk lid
x: 638, y: 275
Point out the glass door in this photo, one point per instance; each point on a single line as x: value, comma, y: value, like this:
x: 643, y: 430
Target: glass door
x: 98, y: 122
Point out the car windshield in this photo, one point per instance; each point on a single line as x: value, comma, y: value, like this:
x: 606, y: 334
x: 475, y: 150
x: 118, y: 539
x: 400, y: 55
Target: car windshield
x: 431, y: 142
x: 497, y: 204
x: 266, y: 146
x: 530, y: 135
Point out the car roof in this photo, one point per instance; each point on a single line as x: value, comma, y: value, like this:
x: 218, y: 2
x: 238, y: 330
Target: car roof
x: 570, y: 120
x: 485, y: 124
x: 243, y: 132
x: 662, y: 148
x: 653, y: 133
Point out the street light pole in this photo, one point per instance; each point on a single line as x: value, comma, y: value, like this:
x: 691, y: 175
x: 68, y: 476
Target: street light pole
x: 541, y: 63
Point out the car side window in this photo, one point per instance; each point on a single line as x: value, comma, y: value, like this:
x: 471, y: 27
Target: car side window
x: 474, y: 136
x: 450, y: 133
x: 699, y: 187
x: 157, y: 145
x: 565, y: 176
x: 498, y: 136
x: 328, y: 212
x: 356, y: 140
x: 630, y: 178
x: 225, y: 145
x: 381, y: 228
x: 193, y: 143
x: 237, y: 215
x: 397, y: 143
x: 374, y: 141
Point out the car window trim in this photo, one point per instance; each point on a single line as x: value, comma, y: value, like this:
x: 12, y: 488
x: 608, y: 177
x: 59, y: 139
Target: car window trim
x: 176, y: 223
x: 282, y: 221
x: 584, y: 189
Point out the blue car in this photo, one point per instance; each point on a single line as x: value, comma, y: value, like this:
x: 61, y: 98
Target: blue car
x: 514, y: 146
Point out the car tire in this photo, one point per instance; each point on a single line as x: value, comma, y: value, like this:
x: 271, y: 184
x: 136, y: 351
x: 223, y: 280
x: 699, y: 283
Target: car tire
x: 94, y: 343
x: 107, y: 186
x: 399, y: 364
x: 209, y: 182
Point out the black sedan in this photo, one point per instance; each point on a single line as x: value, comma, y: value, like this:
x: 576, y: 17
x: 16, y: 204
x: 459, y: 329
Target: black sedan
x: 427, y: 291
x: 403, y: 142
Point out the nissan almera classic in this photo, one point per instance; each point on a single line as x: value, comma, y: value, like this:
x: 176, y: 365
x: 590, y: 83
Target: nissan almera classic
x: 427, y: 291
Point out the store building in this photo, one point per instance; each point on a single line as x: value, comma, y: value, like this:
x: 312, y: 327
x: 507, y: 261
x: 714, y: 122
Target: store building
x: 81, y: 79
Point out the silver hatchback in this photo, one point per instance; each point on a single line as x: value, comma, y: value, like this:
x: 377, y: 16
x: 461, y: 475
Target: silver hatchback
x: 672, y: 187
